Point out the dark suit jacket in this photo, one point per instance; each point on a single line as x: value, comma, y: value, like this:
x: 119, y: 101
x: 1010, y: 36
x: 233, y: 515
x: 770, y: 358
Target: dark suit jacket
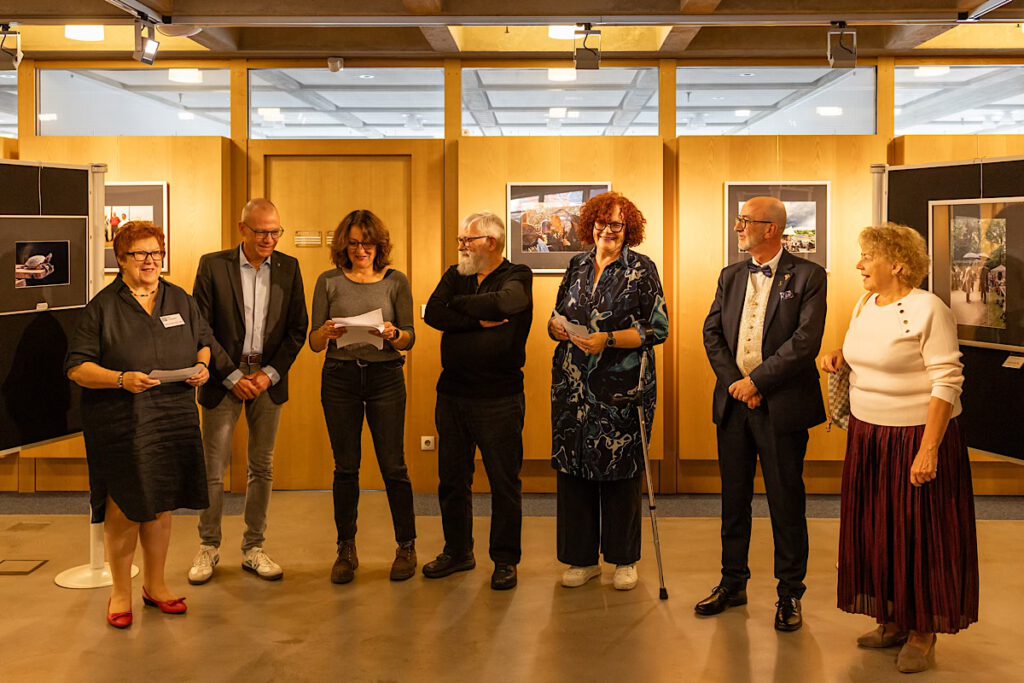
x: 793, y: 325
x: 218, y: 292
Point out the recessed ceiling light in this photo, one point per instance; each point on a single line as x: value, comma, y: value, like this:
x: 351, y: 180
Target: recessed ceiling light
x: 931, y: 71
x: 561, y: 74
x: 186, y: 115
x: 47, y: 117
x: 89, y: 34
x: 574, y: 115
x: 272, y: 114
x: 562, y: 32
x: 748, y: 74
x: 718, y: 98
x: 742, y: 112
x: 8, y: 74
x: 365, y: 76
x: 191, y: 76
x: 829, y: 111
x: 557, y: 112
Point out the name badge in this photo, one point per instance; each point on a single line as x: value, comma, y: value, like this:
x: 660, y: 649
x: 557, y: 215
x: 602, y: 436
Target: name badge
x: 173, y: 320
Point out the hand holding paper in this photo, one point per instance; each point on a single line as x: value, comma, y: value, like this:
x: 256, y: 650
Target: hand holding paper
x: 573, y: 329
x: 176, y: 375
x: 357, y: 329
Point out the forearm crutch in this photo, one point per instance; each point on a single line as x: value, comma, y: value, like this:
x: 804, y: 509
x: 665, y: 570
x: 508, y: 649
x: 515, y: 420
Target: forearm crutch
x: 637, y: 397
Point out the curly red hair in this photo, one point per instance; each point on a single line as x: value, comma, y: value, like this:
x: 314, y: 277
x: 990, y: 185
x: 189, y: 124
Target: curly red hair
x: 133, y: 231
x: 601, y: 207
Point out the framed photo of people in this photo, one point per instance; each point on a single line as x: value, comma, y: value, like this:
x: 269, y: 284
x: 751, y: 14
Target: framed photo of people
x: 542, y: 221
x: 807, y: 222
x: 977, y: 251
x: 48, y: 257
x: 142, y: 201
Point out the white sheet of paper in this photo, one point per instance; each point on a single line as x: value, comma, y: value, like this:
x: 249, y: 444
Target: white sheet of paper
x: 175, y: 375
x: 358, y: 329
x: 574, y: 329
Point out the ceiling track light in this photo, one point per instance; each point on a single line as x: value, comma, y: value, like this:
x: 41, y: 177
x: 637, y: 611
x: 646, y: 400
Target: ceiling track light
x: 16, y: 55
x: 146, y: 44
x: 982, y: 9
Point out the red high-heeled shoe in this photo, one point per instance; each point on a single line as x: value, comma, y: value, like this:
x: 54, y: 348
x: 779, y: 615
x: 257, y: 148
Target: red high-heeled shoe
x: 175, y: 606
x: 119, y: 620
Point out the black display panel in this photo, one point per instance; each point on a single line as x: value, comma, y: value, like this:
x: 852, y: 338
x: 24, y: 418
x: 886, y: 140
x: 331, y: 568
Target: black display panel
x: 65, y: 192
x: 993, y: 398
x: 19, y: 190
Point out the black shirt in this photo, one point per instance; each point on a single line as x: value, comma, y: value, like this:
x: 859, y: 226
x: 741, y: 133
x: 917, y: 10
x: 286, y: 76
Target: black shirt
x: 480, y: 362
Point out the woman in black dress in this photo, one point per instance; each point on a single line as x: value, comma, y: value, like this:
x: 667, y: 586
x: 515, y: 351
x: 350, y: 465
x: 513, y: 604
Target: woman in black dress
x: 142, y: 436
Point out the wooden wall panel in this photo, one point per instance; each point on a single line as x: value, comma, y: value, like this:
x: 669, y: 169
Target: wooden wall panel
x: 9, y: 473
x: 195, y: 169
x: 634, y: 168
x: 8, y: 148
x: 705, y: 165
x: 938, y: 149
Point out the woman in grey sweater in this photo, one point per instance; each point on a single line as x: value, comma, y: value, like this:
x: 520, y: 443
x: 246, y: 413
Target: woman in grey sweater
x: 360, y: 379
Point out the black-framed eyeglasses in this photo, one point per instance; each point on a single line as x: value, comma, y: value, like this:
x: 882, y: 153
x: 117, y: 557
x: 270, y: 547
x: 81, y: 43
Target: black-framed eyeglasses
x: 745, y: 221
x: 464, y: 241
x: 262, y: 234
x: 352, y: 244
x: 143, y: 256
x: 614, y: 227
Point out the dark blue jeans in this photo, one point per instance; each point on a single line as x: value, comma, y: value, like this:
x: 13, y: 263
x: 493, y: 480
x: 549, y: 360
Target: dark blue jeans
x: 496, y: 426
x: 350, y: 390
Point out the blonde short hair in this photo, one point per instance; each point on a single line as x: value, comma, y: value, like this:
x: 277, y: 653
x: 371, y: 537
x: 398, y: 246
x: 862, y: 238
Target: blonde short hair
x: 900, y: 245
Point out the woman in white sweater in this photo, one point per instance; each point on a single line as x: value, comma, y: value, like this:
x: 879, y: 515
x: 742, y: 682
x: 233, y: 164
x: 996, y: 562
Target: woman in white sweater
x: 908, y: 553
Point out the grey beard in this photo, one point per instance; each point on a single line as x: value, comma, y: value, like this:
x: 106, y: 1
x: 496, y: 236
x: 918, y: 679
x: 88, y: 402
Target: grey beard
x: 468, y: 265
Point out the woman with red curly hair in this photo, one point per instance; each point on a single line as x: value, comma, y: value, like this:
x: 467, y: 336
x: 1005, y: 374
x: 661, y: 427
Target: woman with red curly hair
x: 142, y: 439
x: 616, y: 294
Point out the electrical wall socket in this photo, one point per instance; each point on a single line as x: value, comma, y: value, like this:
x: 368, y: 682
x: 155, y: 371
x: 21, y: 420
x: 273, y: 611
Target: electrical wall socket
x: 427, y: 443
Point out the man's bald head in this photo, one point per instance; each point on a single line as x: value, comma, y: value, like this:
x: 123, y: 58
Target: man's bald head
x: 760, y: 234
x: 767, y: 209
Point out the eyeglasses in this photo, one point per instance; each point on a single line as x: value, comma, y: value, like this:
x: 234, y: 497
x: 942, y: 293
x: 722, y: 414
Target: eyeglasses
x: 262, y: 234
x: 744, y: 221
x: 614, y: 227
x: 464, y: 241
x: 143, y: 256
x: 367, y: 246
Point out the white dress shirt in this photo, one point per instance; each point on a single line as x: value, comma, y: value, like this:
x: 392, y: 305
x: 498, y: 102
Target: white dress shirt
x: 255, y: 300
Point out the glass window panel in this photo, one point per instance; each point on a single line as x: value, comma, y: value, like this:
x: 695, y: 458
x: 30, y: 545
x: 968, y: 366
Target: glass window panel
x: 92, y: 102
x: 775, y: 101
x: 960, y: 100
x: 8, y: 104
x: 528, y: 102
x: 352, y: 103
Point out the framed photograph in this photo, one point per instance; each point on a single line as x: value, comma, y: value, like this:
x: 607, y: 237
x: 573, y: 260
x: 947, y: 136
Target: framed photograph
x: 134, y: 202
x: 807, y: 217
x: 542, y: 220
x: 49, y: 259
x: 977, y: 251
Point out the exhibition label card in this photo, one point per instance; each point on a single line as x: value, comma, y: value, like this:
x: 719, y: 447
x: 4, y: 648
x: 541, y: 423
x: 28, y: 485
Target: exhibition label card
x: 1014, y: 362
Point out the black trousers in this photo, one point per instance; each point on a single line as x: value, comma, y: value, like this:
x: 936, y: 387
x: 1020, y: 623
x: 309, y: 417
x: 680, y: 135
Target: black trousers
x: 598, y: 516
x: 495, y: 425
x: 744, y: 436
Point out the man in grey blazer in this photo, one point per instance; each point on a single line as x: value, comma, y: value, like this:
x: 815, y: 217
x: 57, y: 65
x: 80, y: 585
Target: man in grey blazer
x: 252, y: 296
x: 762, y: 336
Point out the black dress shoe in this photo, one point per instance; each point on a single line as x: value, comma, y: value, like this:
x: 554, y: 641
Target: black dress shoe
x: 446, y: 565
x: 787, y: 614
x: 504, y: 577
x: 721, y: 598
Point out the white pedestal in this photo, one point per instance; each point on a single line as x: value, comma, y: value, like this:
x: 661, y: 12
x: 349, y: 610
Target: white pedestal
x: 96, y: 574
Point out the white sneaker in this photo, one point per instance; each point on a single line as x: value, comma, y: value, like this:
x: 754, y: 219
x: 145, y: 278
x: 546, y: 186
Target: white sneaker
x: 625, y: 577
x: 202, y: 566
x: 574, y: 576
x: 260, y: 564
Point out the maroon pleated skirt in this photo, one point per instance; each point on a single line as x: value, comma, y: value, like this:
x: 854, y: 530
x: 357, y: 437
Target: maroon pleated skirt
x: 907, y: 555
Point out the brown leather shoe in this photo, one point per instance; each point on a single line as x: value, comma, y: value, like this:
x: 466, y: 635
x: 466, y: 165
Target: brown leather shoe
x: 404, y: 565
x: 344, y: 569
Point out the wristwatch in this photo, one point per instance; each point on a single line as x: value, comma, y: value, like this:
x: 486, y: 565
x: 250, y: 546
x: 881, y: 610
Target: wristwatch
x: 611, y: 340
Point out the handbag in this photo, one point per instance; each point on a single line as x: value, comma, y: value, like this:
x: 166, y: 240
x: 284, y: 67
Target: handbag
x: 839, y: 389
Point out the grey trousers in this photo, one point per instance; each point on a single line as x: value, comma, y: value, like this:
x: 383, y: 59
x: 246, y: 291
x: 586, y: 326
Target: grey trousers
x: 263, y: 417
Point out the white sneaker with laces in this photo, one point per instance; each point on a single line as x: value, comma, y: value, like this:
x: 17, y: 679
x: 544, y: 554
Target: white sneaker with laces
x: 260, y: 564
x: 574, y: 576
x: 625, y: 577
x: 202, y: 566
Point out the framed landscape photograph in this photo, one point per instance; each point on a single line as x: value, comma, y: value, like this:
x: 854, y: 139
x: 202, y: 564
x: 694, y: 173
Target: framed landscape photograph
x: 807, y: 217
x: 977, y: 250
x: 127, y: 202
x: 542, y: 221
x: 48, y: 257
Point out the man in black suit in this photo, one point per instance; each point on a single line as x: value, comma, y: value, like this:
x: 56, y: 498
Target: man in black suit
x: 762, y: 336
x: 252, y: 297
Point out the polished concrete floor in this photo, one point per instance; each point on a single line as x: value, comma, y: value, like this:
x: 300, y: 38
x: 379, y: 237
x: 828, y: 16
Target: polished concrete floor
x: 304, y: 628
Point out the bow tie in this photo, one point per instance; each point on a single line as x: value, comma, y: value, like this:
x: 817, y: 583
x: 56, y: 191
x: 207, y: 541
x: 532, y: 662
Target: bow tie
x: 754, y: 268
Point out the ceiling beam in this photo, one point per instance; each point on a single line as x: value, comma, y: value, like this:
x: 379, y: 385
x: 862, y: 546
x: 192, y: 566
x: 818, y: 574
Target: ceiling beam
x: 440, y: 38
x: 899, y: 38
x: 642, y: 88
x: 423, y: 6
x: 319, y: 102
x: 219, y: 39
x: 699, y: 6
x: 678, y: 39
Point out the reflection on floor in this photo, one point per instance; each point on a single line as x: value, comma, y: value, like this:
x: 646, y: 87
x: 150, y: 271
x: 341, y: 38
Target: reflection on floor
x: 306, y: 629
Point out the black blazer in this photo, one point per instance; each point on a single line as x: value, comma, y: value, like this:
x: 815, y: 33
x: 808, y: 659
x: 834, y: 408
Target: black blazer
x: 218, y: 293
x: 794, y: 322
